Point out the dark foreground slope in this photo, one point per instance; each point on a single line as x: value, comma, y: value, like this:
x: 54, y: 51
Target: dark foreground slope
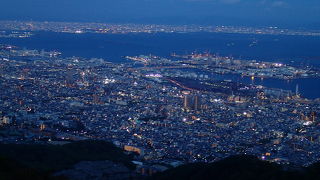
x: 11, y: 170
x: 239, y: 168
x: 40, y: 161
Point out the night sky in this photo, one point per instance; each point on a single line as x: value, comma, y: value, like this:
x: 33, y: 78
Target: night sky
x: 228, y: 12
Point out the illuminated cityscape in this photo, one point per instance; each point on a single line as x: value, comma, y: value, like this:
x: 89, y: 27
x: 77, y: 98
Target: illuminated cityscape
x: 170, y: 110
x: 103, y: 28
x: 171, y: 89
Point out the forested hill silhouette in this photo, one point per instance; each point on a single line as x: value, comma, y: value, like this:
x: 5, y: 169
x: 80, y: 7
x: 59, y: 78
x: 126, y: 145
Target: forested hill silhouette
x: 240, y: 167
x: 34, y: 161
x: 38, y: 161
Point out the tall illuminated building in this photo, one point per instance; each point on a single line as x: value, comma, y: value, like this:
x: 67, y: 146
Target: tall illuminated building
x: 313, y: 116
x: 1, y: 70
x: 191, y: 102
x: 297, y: 90
x: 196, y: 102
x: 187, y: 102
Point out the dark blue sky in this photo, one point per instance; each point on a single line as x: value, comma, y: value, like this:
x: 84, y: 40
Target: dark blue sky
x: 237, y: 12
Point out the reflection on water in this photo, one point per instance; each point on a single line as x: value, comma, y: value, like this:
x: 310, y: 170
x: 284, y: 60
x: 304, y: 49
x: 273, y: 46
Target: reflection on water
x: 295, y: 50
x: 308, y: 87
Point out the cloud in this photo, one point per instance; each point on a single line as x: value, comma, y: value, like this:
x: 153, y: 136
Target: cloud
x: 273, y: 4
x: 196, y: 0
x: 279, y: 4
x: 217, y: 1
x: 230, y: 1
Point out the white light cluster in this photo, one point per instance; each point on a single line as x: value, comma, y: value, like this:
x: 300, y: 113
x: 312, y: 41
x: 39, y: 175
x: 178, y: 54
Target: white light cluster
x: 277, y: 64
x: 108, y: 81
x: 154, y: 75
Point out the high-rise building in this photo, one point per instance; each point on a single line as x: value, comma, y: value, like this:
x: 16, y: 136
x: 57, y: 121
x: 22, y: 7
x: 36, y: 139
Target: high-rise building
x: 1, y: 70
x: 313, y: 116
x: 196, y: 102
x: 187, y: 104
x: 69, y: 77
x: 191, y: 102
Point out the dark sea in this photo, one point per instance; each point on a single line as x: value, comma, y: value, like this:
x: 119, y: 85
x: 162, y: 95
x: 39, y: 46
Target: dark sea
x: 294, y: 50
